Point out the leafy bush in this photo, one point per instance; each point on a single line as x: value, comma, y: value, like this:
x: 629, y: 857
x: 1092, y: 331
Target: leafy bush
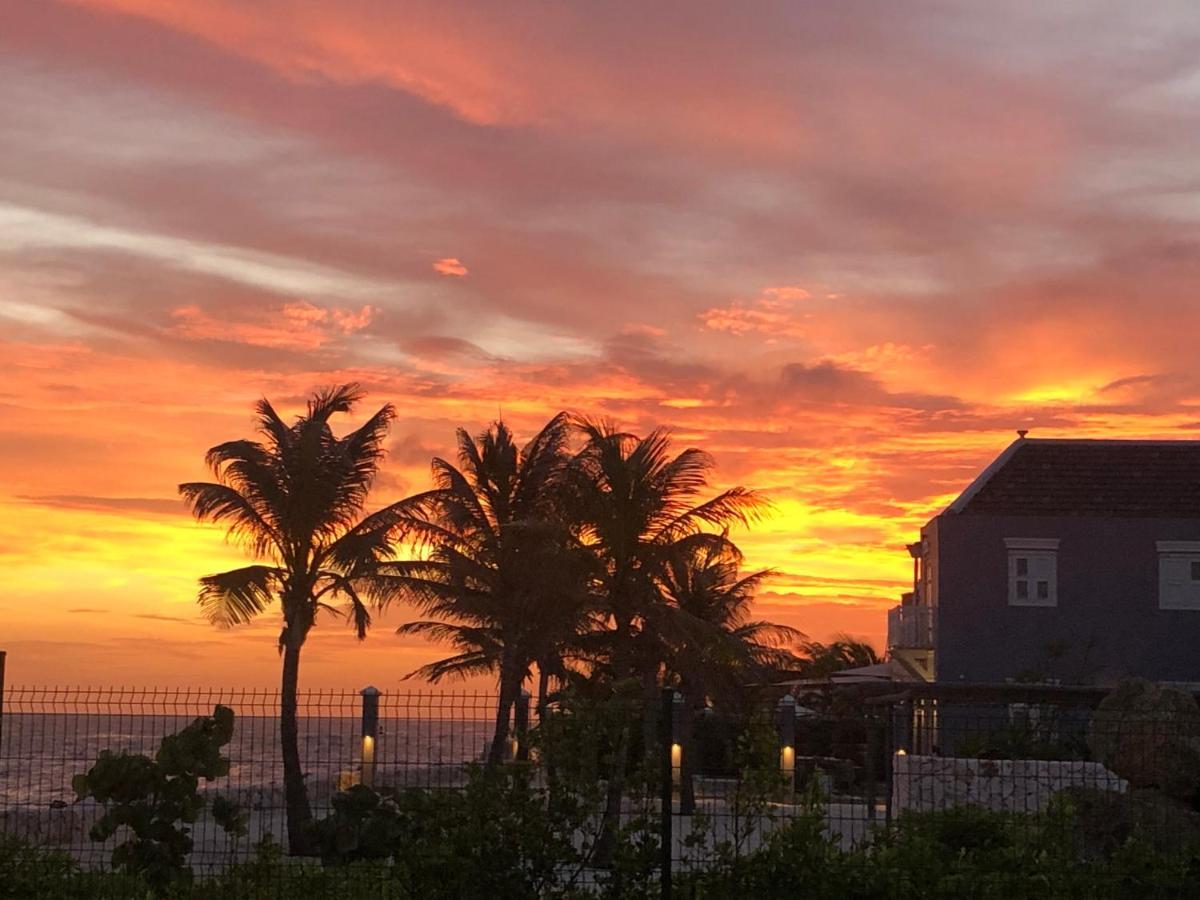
x: 364, y: 825
x: 157, y: 799
x: 1099, y: 823
x: 959, y: 854
x: 499, y: 837
x: 1149, y: 734
x: 965, y: 854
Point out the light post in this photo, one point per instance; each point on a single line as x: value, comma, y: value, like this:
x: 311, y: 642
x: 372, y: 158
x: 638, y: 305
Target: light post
x: 370, y: 732
x: 785, y: 723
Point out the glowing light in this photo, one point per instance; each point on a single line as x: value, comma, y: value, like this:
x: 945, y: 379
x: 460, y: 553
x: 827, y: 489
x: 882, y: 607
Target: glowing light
x: 368, y: 760
x: 787, y: 759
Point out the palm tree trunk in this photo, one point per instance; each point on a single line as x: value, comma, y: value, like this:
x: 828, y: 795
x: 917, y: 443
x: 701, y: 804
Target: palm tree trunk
x: 509, y: 686
x: 606, y: 843
x: 295, y: 792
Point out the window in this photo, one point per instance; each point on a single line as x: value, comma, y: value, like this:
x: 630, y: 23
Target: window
x: 1179, y: 574
x: 1033, y: 571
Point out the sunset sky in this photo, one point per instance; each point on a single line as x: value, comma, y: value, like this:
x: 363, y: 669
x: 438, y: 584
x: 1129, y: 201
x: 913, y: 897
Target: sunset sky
x: 848, y: 248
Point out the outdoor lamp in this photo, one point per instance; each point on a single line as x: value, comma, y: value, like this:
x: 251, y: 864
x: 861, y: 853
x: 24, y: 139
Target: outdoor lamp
x: 370, y: 730
x: 785, y: 723
x: 676, y: 743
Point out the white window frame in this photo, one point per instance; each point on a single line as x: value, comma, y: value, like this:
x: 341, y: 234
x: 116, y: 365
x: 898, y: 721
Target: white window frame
x: 1178, y: 587
x: 1041, y: 567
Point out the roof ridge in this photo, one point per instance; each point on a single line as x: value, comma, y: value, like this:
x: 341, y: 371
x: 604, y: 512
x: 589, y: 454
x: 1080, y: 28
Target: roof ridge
x: 1088, y: 476
x: 985, y: 476
x: 1132, y: 442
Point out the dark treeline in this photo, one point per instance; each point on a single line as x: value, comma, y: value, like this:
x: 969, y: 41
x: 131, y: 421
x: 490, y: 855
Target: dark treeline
x: 586, y: 554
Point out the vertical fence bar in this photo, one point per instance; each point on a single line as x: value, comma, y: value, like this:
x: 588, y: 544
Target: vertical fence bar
x: 521, y: 727
x: 370, y: 732
x: 669, y: 751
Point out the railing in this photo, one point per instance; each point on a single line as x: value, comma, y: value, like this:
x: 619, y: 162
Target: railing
x: 846, y: 769
x: 911, y: 628
x: 431, y: 742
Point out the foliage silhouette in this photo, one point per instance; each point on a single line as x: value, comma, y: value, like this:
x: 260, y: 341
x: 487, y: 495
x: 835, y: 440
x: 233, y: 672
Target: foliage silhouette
x: 294, y: 499
x: 637, y: 505
x: 504, y: 579
x: 157, y: 799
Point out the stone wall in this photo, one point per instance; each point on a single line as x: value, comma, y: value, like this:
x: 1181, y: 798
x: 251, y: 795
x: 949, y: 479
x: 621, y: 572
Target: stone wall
x: 924, y: 783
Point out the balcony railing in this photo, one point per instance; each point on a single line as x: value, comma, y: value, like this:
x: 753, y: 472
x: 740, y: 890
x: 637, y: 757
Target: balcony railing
x: 911, y: 627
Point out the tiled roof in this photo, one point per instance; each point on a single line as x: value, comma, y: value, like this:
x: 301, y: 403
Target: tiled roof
x: 1036, y: 477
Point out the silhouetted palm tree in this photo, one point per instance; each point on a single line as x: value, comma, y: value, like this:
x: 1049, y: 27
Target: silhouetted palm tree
x: 711, y: 646
x: 843, y: 652
x: 503, y: 580
x: 635, y: 504
x: 294, y: 499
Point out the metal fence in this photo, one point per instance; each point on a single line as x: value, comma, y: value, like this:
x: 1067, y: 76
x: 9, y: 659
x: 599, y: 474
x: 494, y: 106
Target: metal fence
x: 1046, y: 755
x: 51, y: 734
x: 725, y: 782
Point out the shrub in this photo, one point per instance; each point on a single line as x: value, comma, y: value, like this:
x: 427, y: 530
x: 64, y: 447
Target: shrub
x: 1099, y: 823
x: 157, y: 799
x: 1150, y: 736
x: 498, y: 837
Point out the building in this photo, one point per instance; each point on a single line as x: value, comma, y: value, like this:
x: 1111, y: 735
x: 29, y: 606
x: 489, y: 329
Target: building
x: 1075, y: 561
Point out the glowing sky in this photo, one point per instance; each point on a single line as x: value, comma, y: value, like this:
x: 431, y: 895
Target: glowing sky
x: 846, y: 247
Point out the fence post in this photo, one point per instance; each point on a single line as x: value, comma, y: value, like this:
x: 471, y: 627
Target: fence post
x: 370, y: 731
x: 3, y: 655
x: 669, y: 751
x: 521, y: 727
x: 785, y: 725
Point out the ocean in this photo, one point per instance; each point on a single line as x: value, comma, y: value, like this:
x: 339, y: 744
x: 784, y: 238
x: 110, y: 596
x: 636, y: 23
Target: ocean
x: 40, y: 752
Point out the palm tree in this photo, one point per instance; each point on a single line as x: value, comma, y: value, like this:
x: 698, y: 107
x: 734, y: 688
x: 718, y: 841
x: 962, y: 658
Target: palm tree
x: 843, y: 652
x: 294, y: 499
x: 636, y: 504
x: 712, y: 647
x: 503, y: 580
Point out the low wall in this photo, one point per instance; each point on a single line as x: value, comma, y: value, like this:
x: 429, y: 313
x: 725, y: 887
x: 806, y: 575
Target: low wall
x: 925, y: 783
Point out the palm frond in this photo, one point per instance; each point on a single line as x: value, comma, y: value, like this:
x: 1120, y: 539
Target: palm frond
x: 220, y: 503
x: 340, y: 398
x: 469, y: 664
x: 270, y: 424
x: 355, y: 463
x: 237, y: 596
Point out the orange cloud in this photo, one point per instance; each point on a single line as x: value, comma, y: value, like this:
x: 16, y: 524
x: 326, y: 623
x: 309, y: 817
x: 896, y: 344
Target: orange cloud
x: 450, y: 266
x: 776, y: 311
x: 293, y: 326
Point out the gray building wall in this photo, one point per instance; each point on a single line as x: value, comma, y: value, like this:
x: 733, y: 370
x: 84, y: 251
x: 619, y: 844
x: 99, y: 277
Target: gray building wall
x: 1107, y: 615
